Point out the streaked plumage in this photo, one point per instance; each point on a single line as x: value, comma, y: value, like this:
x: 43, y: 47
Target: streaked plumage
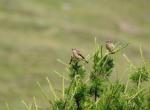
x: 76, y: 54
x: 110, y: 46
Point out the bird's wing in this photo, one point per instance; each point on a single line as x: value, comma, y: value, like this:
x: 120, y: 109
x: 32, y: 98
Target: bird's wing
x: 109, y: 47
x: 81, y: 55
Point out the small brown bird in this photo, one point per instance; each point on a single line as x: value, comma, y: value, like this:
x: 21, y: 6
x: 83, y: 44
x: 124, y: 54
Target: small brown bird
x: 76, y: 54
x: 110, y: 46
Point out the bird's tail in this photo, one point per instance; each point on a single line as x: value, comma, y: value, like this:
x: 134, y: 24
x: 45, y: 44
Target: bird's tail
x: 86, y: 61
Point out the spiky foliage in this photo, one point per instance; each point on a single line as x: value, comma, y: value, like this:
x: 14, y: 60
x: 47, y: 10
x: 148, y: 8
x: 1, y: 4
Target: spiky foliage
x: 140, y: 74
x: 97, y: 92
x: 113, y: 99
x: 76, y: 69
x: 102, y: 68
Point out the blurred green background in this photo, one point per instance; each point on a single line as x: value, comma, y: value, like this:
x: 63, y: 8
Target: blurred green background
x: 35, y: 33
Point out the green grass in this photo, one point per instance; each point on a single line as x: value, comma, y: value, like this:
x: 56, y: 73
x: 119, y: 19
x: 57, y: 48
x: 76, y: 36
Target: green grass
x: 35, y: 33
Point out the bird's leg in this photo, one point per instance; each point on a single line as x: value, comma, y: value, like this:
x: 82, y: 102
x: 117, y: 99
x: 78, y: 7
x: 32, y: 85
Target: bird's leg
x: 71, y: 59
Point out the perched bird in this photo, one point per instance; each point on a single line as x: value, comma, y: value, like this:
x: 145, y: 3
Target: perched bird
x: 110, y: 46
x: 76, y: 54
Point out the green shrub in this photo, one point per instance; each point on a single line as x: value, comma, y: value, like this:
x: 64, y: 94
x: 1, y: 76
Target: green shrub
x: 93, y: 91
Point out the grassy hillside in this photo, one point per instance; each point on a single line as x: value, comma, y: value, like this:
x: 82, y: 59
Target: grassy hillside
x: 35, y: 33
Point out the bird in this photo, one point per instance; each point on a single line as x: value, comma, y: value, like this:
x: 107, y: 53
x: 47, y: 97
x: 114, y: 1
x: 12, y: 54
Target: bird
x: 76, y: 54
x: 110, y: 46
